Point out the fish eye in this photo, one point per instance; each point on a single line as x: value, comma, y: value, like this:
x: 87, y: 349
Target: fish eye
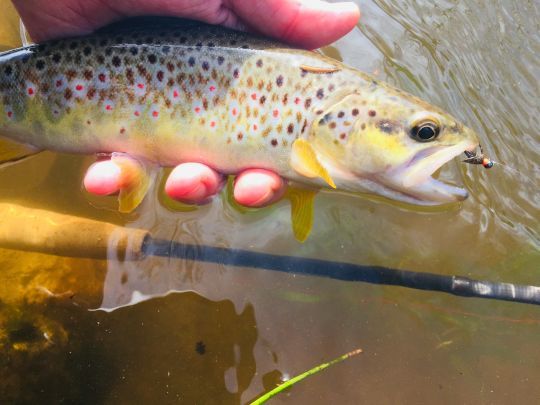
x: 425, y: 131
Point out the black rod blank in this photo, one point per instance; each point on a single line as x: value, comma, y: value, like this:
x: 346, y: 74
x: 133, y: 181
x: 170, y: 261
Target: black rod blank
x: 456, y: 285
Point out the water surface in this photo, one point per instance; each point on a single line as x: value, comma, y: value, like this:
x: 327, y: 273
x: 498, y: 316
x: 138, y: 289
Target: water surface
x: 216, y: 334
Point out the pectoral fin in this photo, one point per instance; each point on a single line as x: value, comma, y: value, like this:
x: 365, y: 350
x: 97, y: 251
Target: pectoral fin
x: 136, y: 179
x: 301, y: 211
x: 304, y: 161
x: 11, y: 151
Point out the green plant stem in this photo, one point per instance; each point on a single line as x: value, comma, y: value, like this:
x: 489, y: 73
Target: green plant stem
x: 262, y: 399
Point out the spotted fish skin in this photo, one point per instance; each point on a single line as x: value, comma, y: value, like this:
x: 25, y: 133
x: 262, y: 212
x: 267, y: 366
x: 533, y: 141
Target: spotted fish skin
x: 191, y: 92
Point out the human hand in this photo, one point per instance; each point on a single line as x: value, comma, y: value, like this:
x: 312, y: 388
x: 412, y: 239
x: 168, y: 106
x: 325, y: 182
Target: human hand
x: 293, y: 21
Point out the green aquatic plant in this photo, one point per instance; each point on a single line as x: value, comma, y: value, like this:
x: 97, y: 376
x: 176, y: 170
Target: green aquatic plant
x: 289, y: 383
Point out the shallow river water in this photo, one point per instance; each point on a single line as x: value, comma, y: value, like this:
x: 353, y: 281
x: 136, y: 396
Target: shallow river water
x: 168, y: 330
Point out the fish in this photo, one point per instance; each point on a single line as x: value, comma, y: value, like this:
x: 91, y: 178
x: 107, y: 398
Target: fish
x: 168, y: 91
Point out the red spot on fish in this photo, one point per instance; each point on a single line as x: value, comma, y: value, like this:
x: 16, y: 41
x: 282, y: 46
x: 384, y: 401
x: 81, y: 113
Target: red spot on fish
x: 213, y: 124
x: 254, y: 96
x: 102, y: 77
x: 297, y: 100
x: 234, y: 111
x: 212, y: 88
x: 10, y: 114
x: 155, y: 114
x: 275, y: 113
x: 79, y: 87
x: 175, y: 94
x: 255, y: 127
x: 122, y: 130
x: 137, y: 113
x: 197, y: 109
x: 108, y: 107
x: 30, y: 91
x: 140, y: 85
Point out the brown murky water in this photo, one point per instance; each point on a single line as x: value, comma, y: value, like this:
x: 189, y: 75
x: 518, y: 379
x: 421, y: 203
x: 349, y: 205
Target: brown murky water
x: 216, y: 334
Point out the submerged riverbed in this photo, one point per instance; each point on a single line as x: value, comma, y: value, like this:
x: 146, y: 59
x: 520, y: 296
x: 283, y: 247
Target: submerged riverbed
x: 220, y: 334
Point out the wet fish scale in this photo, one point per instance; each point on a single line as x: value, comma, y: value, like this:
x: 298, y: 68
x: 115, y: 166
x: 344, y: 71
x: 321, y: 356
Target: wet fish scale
x: 196, y: 86
x: 192, y: 92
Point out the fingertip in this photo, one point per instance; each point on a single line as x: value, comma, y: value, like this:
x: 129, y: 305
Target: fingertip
x: 193, y: 183
x: 103, y: 178
x: 258, y: 188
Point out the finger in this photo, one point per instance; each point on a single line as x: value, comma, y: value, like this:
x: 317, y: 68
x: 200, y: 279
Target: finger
x: 299, y: 22
x: 103, y: 178
x: 258, y: 188
x: 193, y: 183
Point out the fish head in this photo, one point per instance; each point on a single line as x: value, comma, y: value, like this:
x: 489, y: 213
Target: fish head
x: 390, y: 143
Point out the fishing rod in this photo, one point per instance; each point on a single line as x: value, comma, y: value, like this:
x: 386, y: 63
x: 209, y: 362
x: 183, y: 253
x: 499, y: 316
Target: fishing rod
x: 48, y: 232
x: 455, y: 285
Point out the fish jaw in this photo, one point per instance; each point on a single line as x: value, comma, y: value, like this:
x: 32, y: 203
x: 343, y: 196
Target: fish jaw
x: 414, y: 178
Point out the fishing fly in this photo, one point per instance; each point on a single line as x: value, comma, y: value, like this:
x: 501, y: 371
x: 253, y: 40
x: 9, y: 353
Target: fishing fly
x: 478, y: 159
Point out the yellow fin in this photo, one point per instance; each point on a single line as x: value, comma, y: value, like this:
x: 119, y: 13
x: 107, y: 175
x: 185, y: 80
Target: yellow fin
x: 136, y: 180
x: 301, y: 211
x: 11, y: 151
x: 304, y: 161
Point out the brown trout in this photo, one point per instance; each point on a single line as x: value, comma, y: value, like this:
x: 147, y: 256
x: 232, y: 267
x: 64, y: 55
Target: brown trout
x: 179, y: 91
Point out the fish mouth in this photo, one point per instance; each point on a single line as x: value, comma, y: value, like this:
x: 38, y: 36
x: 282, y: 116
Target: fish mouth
x: 414, y: 180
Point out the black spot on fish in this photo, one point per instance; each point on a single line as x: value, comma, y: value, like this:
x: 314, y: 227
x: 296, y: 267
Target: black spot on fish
x: 87, y: 51
x: 320, y: 94
x: 220, y: 60
x: 152, y: 58
x: 205, y: 65
x: 57, y: 58
x: 116, y: 61
x: 279, y: 81
x: 166, y: 49
x: 198, y: 44
x: 341, y: 114
x: 233, y: 42
x: 290, y: 128
x: 73, y: 45
x: 183, y: 40
x: 236, y: 74
x: 191, y: 61
x: 259, y: 63
x: 134, y: 50
x: 160, y: 75
x: 355, y: 112
x: 274, y: 142
x: 211, y: 44
x: 372, y: 113
x: 245, y: 47
x: 307, y: 103
x: 8, y: 70
x: 40, y: 64
x: 262, y: 100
